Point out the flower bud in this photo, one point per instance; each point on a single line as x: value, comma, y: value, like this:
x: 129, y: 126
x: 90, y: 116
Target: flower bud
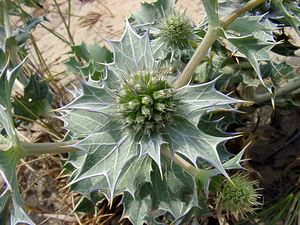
x: 122, y: 93
x: 157, y: 117
x: 160, y: 107
x: 129, y: 121
x: 146, y: 111
x: 147, y: 100
x: 238, y: 196
x: 140, y: 119
x: 122, y: 108
x: 133, y: 105
x: 137, y: 87
x: 159, y: 94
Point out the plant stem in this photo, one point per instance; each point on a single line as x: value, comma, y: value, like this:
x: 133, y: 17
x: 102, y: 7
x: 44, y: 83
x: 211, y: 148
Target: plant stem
x: 201, y: 51
x: 29, y: 149
x: 289, y: 86
x: 194, y: 171
x: 65, y: 23
x: 225, y: 21
x: 6, y: 19
x: 208, y: 40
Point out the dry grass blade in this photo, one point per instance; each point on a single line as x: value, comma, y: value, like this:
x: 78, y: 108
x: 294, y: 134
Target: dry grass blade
x: 90, y: 19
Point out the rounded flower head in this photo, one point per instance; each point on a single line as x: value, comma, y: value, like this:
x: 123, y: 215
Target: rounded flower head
x: 146, y: 102
x: 176, y: 29
x: 238, y: 197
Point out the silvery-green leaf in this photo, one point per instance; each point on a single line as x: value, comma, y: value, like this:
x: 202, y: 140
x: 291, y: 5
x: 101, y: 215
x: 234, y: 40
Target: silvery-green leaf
x: 174, y: 193
x: 137, y: 208
x: 211, y: 7
x: 289, y: 10
x: 186, y: 139
x: 135, y: 173
x: 131, y: 54
x: 82, y: 122
x: 8, y: 164
x: 106, y: 156
x: 9, y: 151
x: 241, y: 25
x: 151, y: 145
x: 195, y: 100
x: 177, y: 193
x: 7, y: 79
x: 231, y: 164
x: 150, y: 13
x: 255, y: 50
x: 97, y: 99
x: 89, y: 185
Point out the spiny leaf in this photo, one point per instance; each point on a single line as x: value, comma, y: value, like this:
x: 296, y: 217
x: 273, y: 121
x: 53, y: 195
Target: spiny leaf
x: 112, y: 152
x: 241, y: 25
x: 151, y: 145
x: 138, y: 172
x: 92, y: 98
x: 255, y: 50
x: 173, y: 193
x: 188, y: 140
x: 131, y: 54
x: 92, y: 61
x: 151, y: 13
x: 8, y: 163
x: 82, y: 122
x: 290, y: 11
x: 9, y: 151
x: 199, y: 99
x: 107, y: 154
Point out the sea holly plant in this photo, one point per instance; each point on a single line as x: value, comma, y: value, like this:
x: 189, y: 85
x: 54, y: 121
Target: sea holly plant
x: 131, y: 125
x: 136, y: 130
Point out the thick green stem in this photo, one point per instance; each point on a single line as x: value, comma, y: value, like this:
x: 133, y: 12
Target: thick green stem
x: 208, y: 40
x: 29, y: 149
x: 194, y: 171
x: 225, y: 21
x: 201, y: 51
x: 6, y: 19
x: 211, y: 8
x: 291, y: 85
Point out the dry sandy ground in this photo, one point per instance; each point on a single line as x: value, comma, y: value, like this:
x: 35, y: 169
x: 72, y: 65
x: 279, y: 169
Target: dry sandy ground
x: 107, y: 18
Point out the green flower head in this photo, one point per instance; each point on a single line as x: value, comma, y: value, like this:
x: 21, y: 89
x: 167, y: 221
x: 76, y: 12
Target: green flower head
x: 146, y: 102
x: 239, y: 197
x: 124, y: 120
x: 176, y: 29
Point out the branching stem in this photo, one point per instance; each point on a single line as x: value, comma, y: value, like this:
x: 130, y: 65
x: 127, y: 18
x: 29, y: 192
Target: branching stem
x: 194, y: 171
x: 225, y: 21
x: 214, y: 31
x: 6, y: 19
x: 291, y: 85
x: 208, y: 40
x: 30, y: 149
x: 201, y: 51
